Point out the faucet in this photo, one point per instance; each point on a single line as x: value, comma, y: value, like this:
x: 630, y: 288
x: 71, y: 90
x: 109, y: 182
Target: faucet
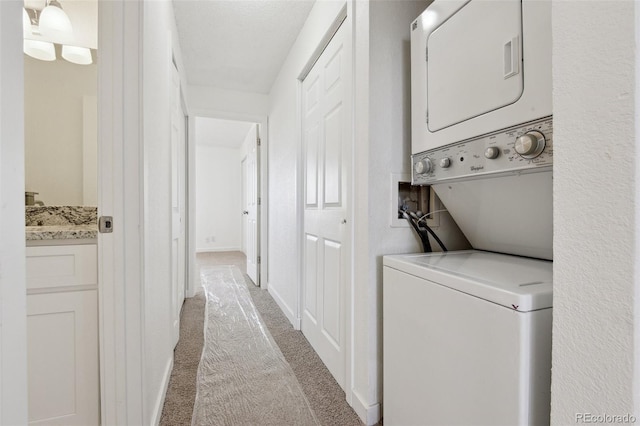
x: 30, y: 199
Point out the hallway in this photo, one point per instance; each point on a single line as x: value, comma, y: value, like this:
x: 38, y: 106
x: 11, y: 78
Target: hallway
x: 326, y: 398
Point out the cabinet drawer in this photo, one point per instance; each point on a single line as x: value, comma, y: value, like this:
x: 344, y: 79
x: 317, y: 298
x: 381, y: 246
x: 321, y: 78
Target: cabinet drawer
x: 61, y: 266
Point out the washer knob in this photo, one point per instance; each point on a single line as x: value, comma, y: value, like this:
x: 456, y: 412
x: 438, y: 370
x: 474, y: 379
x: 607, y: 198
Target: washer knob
x: 492, y: 152
x: 445, y: 162
x: 423, y: 166
x: 530, y: 145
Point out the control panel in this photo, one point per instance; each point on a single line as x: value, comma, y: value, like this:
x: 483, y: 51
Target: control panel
x: 524, y: 148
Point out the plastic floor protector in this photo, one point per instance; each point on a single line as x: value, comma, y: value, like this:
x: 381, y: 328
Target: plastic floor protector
x: 243, y: 378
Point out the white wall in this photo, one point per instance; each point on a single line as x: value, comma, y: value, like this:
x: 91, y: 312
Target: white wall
x: 223, y: 103
x: 596, y: 305
x: 158, y: 40
x: 218, y: 198
x: 388, y: 150
x: 54, y: 94
x: 283, y: 159
x: 13, y: 311
x: 383, y: 147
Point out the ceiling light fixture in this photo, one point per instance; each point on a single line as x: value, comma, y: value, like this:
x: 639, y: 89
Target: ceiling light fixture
x: 54, y: 23
x: 77, y: 55
x: 43, y: 50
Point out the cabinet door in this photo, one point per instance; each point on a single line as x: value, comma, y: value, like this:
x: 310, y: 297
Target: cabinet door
x: 63, y: 358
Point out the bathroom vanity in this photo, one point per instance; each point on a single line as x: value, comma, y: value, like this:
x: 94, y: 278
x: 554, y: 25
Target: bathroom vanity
x: 62, y: 321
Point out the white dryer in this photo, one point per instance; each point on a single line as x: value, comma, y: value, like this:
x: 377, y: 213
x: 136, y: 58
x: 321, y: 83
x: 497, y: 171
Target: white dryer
x: 467, y: 339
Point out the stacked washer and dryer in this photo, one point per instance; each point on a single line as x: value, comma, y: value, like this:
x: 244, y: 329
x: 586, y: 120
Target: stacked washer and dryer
x: 467, y: 334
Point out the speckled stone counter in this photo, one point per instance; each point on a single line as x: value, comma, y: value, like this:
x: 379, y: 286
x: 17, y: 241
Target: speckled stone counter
x: 61, y: 223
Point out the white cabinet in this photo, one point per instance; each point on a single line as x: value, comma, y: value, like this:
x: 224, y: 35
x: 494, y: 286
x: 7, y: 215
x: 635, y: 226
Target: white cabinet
x: 62, y: 333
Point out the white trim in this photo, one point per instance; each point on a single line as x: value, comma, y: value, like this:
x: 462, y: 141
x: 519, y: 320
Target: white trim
x: 121, y: 277
x: 217, y: 249
x: 193, y: 277
x: 369, y: 414
x: 159, y: 404
x: 285, y: 308
x: 13, y: 314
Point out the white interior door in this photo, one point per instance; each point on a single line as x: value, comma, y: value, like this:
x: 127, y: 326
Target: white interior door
x: 327, y: 158
x: 245, y: 205
x: 253, y: 209
x: 177, y: 204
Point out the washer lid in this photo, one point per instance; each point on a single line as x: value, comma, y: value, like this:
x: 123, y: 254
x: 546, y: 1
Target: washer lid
x: 515, y: 282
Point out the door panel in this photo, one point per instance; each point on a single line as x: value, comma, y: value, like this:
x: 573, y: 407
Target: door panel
x: 311, y: 277
x: 326, y: 156
x: 253, y: 209
x: 333, y: 158
x: 312, y: 167
x: 332, y: 286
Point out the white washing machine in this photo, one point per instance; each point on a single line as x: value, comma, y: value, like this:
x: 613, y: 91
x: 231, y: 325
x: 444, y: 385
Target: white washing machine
x: 467, y: 339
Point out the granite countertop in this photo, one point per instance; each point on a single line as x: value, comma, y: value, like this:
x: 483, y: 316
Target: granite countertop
x: 61, y: 232
x: 60, y: 222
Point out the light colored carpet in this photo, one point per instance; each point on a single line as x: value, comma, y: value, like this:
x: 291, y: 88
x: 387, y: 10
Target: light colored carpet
x: 325, y: 396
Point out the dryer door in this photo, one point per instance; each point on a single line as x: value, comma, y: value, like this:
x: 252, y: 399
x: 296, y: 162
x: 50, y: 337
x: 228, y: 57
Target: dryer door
x: 474, y: 62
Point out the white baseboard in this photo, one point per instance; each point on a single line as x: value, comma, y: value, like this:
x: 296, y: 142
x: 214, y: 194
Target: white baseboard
x: 284, y: 307
x: 369, y: 414
x: 217, y: 249
x: 157, y: 410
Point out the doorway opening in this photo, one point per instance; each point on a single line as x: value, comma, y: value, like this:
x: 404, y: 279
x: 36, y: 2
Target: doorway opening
x: 227, y: 189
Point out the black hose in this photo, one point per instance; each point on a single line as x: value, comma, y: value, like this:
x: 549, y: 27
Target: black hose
x: 435, y: 237
x: 424, y: 238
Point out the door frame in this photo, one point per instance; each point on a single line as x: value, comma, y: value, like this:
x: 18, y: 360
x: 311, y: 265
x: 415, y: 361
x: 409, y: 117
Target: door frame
x: 243, y: 196
x: 344, y: 17
x: 262, y: 217
x: 120, y: 254
x: 13, y: 293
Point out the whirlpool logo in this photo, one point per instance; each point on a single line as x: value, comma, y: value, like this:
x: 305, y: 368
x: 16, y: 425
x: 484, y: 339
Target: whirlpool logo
x: 477, y: 168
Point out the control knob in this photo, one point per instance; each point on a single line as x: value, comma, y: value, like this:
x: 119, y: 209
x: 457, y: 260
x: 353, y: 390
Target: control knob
x: 492, y: 152
x: 423, y: 166
x: 445, y: 162
x: 530, y: 145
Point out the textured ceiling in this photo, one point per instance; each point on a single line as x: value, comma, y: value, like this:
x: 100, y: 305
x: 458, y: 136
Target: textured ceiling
x: 237, y: 44
x: 215, y: 132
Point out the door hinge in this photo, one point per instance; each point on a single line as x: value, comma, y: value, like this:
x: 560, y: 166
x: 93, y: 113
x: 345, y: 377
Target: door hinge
x: 105, y: 224
x: 426, y: 54
x: 259, y: 142
x: 259, y: 259
x: 427, y: 117
x: 259, y: 201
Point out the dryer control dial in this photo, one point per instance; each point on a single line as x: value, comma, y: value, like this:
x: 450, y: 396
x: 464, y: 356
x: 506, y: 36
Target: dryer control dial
x: 491, y: 153
x: 530, y: 145
x: 423, y: 166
